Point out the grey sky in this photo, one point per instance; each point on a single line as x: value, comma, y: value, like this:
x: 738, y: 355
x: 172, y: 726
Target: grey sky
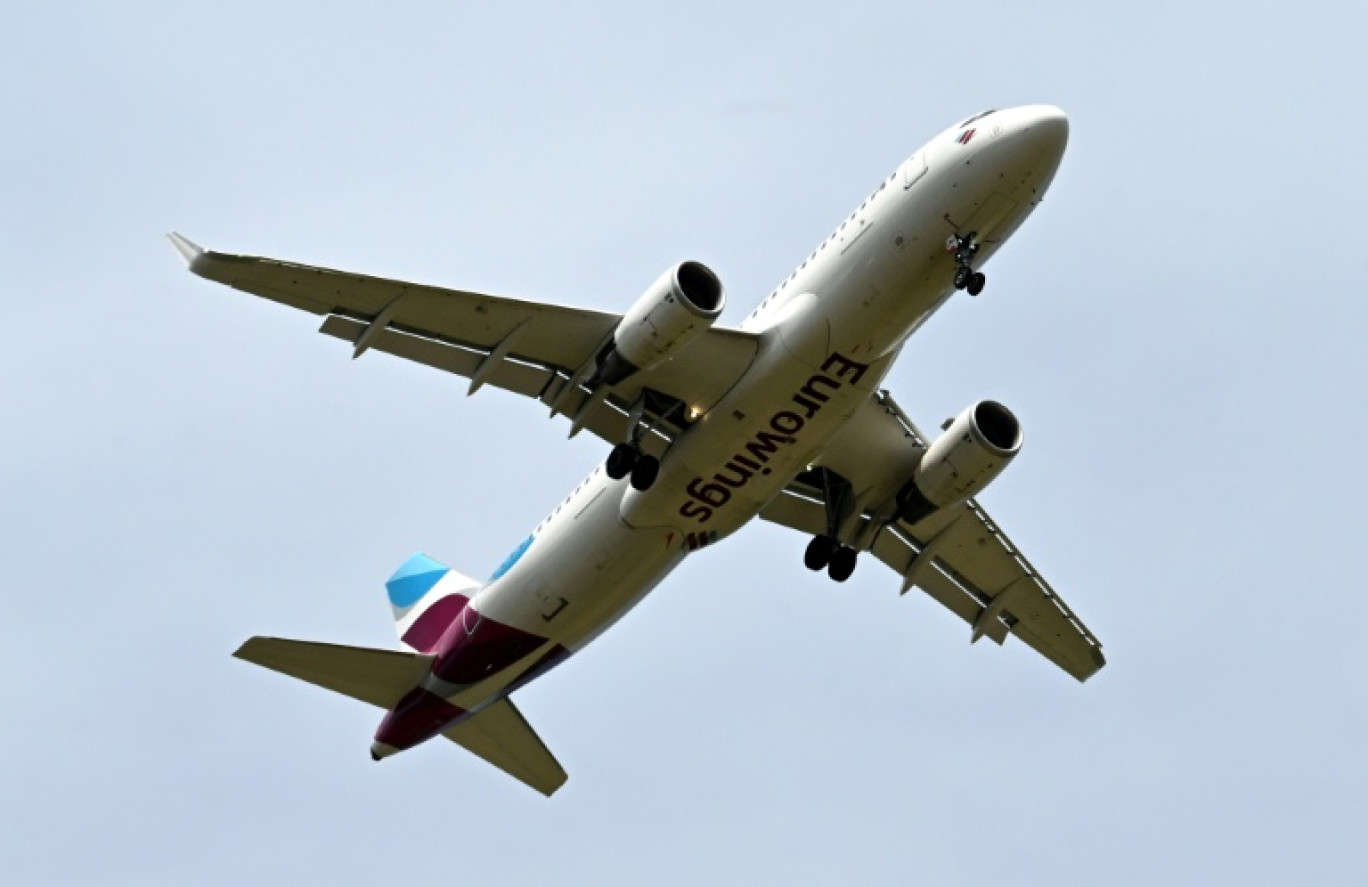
x: 1179, y: 327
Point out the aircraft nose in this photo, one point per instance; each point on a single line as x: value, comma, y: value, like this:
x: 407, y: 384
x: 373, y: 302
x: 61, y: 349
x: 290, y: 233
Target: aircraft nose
x: 1047, y: 127
x: 1030, y: 149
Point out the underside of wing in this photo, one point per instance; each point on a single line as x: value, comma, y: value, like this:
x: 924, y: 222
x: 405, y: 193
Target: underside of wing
x: 538, y: 350
x: 957, y: 555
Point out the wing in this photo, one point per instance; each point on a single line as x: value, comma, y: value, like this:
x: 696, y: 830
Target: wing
x: 538, y: 350
x: 958, y: 556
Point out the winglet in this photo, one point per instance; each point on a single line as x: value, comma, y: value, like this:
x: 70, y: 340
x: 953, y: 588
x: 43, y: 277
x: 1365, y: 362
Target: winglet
x: 188, y: 249
x: 192, y: 252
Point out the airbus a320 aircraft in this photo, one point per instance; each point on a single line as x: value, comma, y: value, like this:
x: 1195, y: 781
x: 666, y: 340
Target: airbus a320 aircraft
x: 782, y: 418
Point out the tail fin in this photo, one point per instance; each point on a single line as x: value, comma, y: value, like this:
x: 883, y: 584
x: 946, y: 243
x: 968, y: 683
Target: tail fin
x: 425, y: 596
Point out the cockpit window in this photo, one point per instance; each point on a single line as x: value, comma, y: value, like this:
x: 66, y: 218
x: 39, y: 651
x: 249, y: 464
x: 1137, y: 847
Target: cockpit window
x: 979, y: 116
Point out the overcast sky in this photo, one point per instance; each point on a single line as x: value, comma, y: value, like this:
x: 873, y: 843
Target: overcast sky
x: 1180, y: 327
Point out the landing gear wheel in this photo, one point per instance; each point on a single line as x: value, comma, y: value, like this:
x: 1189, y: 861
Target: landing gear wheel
x: 645, y: 471
x: 621, y: 461
x: 819, y: 552
x: 842, y: 564
x: 965, y: 248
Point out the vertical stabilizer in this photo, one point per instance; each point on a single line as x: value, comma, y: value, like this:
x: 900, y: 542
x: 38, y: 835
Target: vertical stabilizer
x: 425, y: 595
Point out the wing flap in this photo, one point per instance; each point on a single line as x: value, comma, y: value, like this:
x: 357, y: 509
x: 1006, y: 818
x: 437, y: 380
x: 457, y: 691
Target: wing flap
x: 462, y: 360
x: 532, y: 348
x: 502, y: 736
x: 603, y: 416
x: 958, y: 556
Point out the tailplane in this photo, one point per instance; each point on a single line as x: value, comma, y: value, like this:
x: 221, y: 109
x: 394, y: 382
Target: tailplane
x: 380, y: 677
x: 502, y: 736
x: 499, y: 733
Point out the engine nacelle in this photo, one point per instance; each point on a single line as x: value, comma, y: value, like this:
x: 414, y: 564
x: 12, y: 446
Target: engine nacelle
x: 973, y: 450
x: 678, y: 307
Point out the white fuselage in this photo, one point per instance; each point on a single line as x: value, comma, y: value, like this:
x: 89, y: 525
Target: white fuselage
x: 829, y: 334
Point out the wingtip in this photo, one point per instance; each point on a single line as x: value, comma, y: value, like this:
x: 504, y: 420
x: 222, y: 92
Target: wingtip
x: 188, y: 249
x: 247, y: 648
x: 1099, y: 662
x: 194, y: 254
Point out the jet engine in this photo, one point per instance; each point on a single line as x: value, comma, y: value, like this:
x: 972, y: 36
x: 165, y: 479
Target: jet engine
x: 974, y: 448
x: 679, y: 306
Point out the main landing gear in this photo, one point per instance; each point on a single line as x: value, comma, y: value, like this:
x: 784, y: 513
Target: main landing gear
x: 965, y: 248
x: 825, y: 553
x: 627, y: 458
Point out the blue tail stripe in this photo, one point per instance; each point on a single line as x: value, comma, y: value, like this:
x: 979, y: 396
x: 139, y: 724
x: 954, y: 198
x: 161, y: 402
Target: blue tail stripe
x: 414, y: 578
x: 514, y: 557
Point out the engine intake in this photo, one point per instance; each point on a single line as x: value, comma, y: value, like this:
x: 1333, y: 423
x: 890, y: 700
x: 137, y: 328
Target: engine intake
x: 676, y: 309
x: 972, y: 451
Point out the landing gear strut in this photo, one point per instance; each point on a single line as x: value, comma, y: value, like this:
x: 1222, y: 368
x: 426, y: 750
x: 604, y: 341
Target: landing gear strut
x: 628, y: 458
x: 826, y: 552
x: 965, y: 249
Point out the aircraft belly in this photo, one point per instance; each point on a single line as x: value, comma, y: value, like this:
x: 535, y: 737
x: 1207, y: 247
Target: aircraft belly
x: 744, y: 451
x: 826, y: 349
x: 825, y: 353
x: 582, y: 577
x: 583, y: 572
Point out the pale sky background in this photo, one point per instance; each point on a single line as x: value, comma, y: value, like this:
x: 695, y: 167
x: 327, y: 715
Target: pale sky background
x: 1180, y: 327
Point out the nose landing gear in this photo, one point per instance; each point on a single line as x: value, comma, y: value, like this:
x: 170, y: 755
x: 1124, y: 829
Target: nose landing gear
x: 965, y: 249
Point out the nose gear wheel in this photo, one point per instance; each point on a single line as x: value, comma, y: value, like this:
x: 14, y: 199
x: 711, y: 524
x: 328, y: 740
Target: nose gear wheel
x: 965, y: 249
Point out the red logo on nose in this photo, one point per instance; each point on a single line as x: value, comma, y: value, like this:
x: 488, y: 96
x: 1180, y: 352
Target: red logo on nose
x: 965, y: 136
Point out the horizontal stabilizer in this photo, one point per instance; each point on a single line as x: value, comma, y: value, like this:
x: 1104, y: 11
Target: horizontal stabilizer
x: 501, y: 736
x: 380, y: 677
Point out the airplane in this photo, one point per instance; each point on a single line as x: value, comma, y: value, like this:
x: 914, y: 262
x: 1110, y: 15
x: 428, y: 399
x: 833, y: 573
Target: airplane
x: 782, y: 418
